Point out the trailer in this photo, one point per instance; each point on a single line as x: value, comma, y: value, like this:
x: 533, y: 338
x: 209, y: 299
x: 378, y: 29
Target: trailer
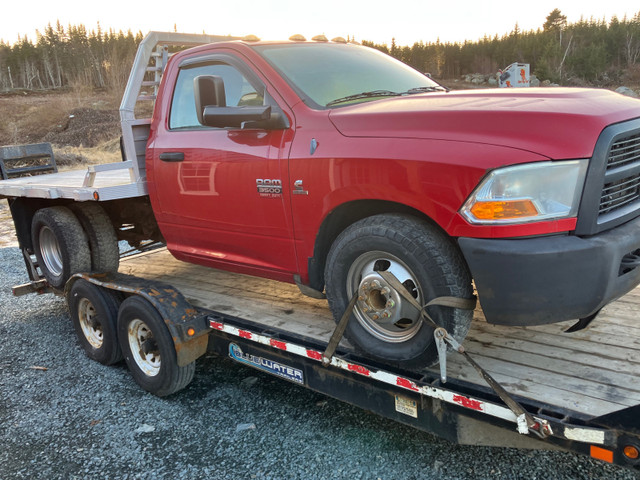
x: 579, y: 390
x: 532, y: 387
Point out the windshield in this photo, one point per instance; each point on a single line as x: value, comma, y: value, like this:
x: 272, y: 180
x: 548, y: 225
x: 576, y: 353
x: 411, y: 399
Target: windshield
x: 331, y: 74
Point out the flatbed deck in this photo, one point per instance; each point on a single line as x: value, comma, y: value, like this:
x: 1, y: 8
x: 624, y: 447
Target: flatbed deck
x: 589, y: 373
x: 108, y: 181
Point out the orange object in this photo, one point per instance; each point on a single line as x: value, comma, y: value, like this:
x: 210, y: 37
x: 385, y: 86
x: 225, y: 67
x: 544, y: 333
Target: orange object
x: 602, y: 454
x: 504, y: 209
x: 631, y: 452
x: 191, y: 332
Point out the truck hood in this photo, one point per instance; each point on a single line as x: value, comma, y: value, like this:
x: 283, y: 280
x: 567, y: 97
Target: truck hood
x: 558, y: 123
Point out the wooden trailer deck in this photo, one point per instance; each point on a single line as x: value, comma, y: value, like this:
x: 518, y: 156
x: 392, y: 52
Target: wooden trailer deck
x: 592, y: 372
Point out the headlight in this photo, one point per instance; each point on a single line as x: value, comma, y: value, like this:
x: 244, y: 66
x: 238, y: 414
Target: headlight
x: 527, y: 193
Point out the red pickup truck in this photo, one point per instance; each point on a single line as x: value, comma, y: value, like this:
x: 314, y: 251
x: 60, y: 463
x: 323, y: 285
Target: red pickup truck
x: 325, y: 163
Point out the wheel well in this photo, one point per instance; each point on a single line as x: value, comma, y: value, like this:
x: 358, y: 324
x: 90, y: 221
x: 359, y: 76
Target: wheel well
x: 339, y: 219
x: 134, y: 212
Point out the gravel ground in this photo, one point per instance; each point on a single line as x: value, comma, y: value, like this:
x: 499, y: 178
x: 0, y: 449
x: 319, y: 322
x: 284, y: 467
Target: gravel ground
x: 64, y: 416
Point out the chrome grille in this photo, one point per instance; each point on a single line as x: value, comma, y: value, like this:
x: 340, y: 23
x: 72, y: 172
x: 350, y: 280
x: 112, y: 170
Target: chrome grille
x: 624, y: 151
x: 620, y: 193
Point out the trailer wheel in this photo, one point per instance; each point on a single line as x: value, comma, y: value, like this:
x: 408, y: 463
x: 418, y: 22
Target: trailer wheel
x: 148, y: 349
x: 103, y: 242
x: 94, y: 312
x: 423, y: 259
x: 60, y: 245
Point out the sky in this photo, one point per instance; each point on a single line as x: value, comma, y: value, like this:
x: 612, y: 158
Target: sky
x: 409, y: 21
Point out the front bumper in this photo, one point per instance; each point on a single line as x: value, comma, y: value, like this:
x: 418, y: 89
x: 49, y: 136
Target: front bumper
x: 542, y: 280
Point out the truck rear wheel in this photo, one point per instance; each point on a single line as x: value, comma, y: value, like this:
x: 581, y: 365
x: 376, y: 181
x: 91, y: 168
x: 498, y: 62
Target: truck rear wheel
x: 94, y: 312
x: 424, y: 260
x: 60, y: 245
x: 103, y: 242
x: 148, y: 349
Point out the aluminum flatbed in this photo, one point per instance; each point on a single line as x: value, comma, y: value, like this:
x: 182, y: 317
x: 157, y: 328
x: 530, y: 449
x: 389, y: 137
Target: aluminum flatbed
x: 98, y: 182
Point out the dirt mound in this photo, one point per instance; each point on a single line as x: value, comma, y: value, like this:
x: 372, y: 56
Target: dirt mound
x: 85, y: 127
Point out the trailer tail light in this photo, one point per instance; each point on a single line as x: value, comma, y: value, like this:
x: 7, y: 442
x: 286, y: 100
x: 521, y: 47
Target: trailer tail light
x: 602, y: 454
x: 631, y: 452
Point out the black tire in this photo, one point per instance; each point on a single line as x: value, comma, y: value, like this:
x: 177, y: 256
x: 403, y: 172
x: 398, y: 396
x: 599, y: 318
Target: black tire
x: 383, y: 326
x: 60, y: 245
x: 140, y: 329
x: 94, y: 312
x: 103, y: 242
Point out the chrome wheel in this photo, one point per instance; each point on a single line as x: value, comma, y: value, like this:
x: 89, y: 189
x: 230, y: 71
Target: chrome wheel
x: 380, y: 309
x: 50, y: 251
x: 144, y: 348
x: 91, y: 327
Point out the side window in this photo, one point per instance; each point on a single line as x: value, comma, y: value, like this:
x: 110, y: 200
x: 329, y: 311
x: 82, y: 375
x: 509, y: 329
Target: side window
x: 238, y: 91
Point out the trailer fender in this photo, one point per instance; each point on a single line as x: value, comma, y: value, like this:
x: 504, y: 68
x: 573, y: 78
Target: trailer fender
x: 188, y: 329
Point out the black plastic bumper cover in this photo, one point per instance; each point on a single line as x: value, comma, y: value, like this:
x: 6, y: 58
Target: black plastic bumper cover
x: 542, y: 280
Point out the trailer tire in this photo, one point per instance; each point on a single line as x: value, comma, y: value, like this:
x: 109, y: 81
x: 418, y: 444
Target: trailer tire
x: 94, y: 312
x: 60, y: 245
x: 424, y: 259
x: 103, y: 242
x: 149, y: 350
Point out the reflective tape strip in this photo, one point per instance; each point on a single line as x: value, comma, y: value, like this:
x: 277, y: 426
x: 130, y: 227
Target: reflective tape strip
x: 580, y: 434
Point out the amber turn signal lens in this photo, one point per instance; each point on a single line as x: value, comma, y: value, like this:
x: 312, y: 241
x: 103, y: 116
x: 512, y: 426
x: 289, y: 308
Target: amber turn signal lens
x: 631, y: 452
x: 504, y: 209
x: 191, y: 332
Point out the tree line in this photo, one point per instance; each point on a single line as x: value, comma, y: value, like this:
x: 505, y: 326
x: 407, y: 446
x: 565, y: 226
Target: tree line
x: 593, y: 51
x: 68, y: 57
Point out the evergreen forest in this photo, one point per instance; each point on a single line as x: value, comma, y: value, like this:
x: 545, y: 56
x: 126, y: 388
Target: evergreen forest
x: 588, y: 52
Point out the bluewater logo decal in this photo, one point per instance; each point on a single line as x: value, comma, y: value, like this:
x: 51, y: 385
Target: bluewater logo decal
x: 264, y: 364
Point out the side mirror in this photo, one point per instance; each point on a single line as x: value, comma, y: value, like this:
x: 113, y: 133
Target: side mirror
x: 208, y: 90
x: 234, y: 116
x: 212, y: 109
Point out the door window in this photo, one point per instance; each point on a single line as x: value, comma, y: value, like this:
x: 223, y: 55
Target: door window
x: 238, y: 90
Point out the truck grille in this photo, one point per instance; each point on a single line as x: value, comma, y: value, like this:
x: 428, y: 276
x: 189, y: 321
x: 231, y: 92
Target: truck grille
x: 611, y: 195
x: 620, y: 193
x: 624, y: 152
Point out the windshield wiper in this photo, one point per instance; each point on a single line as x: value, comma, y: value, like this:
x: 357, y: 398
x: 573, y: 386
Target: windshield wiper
x: 435, y: 88
x: 357, y: 96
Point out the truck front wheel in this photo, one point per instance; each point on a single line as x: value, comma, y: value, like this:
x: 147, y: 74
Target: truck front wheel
x: 423, y: 259
x: 60, y: 245
x: 148, y: 349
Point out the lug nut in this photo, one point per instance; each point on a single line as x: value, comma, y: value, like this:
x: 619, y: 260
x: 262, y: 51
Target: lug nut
x: 390, y: 303
x: 376, y: 283
x: 386, y: 291
x: 375, y: 316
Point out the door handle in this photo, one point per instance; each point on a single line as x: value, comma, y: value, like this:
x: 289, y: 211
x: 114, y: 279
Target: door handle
x: 172, y: 156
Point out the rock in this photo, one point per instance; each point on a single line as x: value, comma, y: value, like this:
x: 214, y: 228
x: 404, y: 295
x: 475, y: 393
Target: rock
x: 249, y: 381
x: 241, y: 427
x: 493, y: 81
x: 554, y: 85
x: 144, y: 428
x: 533, y: 81
x: 627, y: 92
x: 546, y: 83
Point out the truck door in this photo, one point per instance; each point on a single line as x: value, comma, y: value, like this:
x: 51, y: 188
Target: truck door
x: 222, y: 191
